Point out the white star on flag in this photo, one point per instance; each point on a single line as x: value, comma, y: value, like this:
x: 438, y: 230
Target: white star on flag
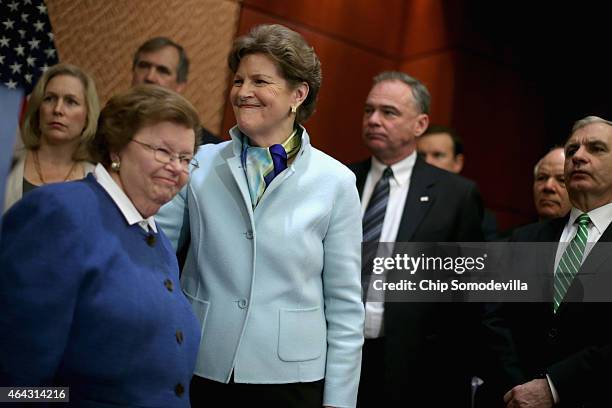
x: 8, y: 23
x: 15, y: 67
x: 34, y: 43
x: 11, y: 84
x: 4, y: 42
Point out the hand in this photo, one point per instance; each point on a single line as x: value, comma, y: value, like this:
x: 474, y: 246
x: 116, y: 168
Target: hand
x: 532, y: 394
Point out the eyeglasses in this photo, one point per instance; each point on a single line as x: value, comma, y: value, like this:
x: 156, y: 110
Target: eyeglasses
x: 187, y: 162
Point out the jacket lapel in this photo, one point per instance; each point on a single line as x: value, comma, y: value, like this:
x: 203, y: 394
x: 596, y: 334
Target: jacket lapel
x: 421, y: 196
x: 361, y: 173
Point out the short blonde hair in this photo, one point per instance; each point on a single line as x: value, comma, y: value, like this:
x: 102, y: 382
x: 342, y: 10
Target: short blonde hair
x: 140, y: 106
x: 30, y: 132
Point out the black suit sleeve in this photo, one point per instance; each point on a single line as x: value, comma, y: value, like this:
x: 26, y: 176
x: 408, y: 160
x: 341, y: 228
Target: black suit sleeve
x: 469, y: 217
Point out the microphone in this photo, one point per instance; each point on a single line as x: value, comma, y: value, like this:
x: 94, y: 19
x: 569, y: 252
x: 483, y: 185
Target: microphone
x: 150, y: 239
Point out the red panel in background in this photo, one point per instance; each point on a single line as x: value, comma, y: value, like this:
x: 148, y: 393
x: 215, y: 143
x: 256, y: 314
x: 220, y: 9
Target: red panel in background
x: 427, y: 28
x: 369, y: 24
x: 437, y: 72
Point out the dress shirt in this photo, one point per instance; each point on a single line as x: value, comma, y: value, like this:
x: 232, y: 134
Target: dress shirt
x: 600, y: 219
x: 131, y: 214
x: 398, y: 191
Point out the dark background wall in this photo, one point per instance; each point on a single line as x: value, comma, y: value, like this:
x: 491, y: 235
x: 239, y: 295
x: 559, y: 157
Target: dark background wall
x: 511, y: 77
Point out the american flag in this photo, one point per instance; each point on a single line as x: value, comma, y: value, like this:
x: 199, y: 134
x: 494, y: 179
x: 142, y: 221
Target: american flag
x: 26, y: 43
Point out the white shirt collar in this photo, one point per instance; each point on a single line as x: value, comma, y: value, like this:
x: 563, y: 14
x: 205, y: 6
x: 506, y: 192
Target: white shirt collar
x: 131, y: 214
x: 600, y: 217
x: 401, y: 170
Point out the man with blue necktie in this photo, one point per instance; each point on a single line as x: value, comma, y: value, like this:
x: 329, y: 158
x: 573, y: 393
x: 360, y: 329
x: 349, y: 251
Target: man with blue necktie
x: 558, y: 352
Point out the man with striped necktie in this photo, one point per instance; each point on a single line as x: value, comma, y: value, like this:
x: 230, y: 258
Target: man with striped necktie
x: 415, y: 354
x: 558, y: 353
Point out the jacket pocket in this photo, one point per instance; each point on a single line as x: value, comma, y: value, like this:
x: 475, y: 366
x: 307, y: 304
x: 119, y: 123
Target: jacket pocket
x: 200, y: 309
x: 302, y: 334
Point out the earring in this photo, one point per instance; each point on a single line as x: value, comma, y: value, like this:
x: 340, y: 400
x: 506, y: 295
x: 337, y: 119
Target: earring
x: 115, y: 165
x: 293, y: 109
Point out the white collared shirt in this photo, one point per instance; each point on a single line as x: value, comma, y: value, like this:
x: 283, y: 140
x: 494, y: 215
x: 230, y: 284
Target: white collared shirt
x: 398, y: 191
x: 600, y: 220
x: 131, y: 214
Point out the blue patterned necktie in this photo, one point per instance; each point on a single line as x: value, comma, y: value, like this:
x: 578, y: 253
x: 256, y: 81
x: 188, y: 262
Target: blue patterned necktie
x: 261, y: 164
x: 279, y: 160
x: 375, y: 212
x: 570, y: 261
x: 373, y: 219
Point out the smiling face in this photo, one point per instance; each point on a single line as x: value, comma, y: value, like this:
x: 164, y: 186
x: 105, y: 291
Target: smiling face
x: 148, y: 183
x: 549, y: 192
x: 63, y: 111
x: 262, y: 100
x: 391, y: 121
x: 588, y: 166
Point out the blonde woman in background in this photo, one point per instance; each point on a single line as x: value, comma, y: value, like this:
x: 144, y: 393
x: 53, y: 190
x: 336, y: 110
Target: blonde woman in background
x: 61, y: 118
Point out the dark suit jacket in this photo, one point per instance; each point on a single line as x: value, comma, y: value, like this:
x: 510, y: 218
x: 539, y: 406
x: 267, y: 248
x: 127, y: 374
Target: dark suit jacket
x: 425, y: 343
x: 571, y: 346
x: 207, y: 137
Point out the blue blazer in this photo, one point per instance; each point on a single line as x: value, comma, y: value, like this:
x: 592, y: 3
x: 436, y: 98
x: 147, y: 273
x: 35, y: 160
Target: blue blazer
x: 87, y: 303
x: 277, y: 288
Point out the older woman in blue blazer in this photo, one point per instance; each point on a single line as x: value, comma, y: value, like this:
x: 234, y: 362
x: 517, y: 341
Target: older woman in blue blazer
x: 273, y: 268
x: 89, y: 290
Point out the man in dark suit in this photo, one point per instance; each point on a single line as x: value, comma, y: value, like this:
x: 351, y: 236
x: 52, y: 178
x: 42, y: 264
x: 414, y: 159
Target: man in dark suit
x: 163, y: 62
x: 413, y: 352
x: 558, y: 352
x: 442, y: 147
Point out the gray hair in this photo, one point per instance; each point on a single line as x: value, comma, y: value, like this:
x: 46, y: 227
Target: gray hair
x: 589, y: 120
x: 420, y: 93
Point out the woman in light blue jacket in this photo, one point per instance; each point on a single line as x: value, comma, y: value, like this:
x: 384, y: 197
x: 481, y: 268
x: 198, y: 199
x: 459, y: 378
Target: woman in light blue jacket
x: 273, y: 267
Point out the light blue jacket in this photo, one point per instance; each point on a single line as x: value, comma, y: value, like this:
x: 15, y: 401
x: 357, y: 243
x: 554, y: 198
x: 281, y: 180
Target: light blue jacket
x: 277, y: 289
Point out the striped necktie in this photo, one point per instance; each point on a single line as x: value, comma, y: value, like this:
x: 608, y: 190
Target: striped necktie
x: 375, y: 212
x: 570, y: 261
x: 372, y: 226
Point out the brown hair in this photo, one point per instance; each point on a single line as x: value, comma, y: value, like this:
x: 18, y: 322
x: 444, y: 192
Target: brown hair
x: 30, y: 131
x: 156, y: 44
x: 295, y: 59
x: 142, y: 105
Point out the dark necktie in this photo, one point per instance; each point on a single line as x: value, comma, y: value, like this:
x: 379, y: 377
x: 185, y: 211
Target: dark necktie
x: 372, y: 226
x: 279, y: 160
x: 375, y: 212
